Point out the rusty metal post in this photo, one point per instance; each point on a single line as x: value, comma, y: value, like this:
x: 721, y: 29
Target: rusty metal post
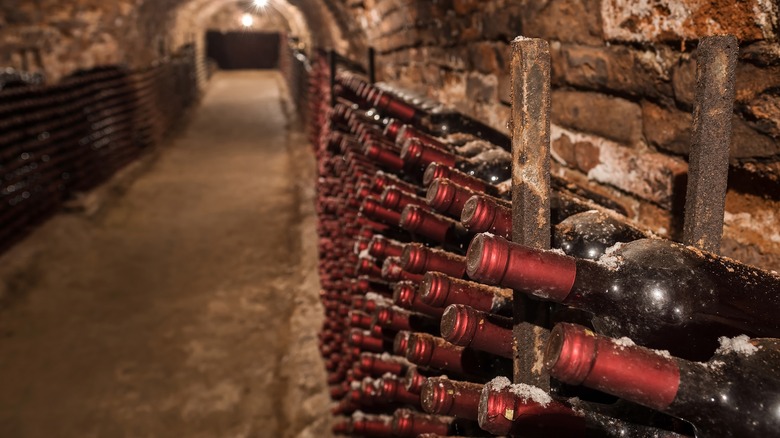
x: 713, y: 110
x: 530, y: 194
x: 332, y: 64
x: 371, y: 65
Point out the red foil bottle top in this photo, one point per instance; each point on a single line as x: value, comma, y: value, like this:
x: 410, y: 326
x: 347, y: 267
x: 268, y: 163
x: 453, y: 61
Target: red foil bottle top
x: 506, y: 408
x: 447, y: 197
x: 414, y: 380
x: 481, y: 214
x: 401, y: 343
x: 439, y: 170
x: 419, y: 259
x: 371, y: 208
x: 415, y: 153
x: 396, y: 199
x: 439, y: 290
x: 407, y: 423
x: 387, y: 158
x: 382, y: 247
x: 545, y: 274
x: 578, y: 356
x: 391, y: 129
x: 380, y: 365
x: 467, y: 327
x: 440, y: 395
x: 417, y: 220
x: 403, y: 294
x: 374, y: 426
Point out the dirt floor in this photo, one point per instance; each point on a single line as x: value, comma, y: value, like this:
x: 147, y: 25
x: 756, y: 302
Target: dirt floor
x: 187, y: 305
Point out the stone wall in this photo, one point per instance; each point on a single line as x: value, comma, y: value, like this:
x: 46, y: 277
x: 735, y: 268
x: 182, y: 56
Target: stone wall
x: 623, y: 75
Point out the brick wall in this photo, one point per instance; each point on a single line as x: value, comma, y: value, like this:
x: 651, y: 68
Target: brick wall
x: 623, y: 79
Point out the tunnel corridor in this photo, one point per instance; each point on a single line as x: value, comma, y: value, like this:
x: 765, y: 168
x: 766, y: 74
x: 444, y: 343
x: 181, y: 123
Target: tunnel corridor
x: 187, y: 304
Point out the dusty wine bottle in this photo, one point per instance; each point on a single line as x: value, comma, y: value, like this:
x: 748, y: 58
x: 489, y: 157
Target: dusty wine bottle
x: 434, y: 227
x: 448, y: 197
x: 439, y: 290
x: 466, y: 327
x: 644, y: 289
x: 442, y: 396
x: 735, y: 394
x: 419, y: 259
x: 405, y: 295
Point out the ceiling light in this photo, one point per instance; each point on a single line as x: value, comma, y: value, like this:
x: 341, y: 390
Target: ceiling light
x: 247, y: 20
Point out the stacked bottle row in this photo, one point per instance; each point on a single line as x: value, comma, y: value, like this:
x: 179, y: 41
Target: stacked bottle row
x: 418, y: 271
x: 56, y: 140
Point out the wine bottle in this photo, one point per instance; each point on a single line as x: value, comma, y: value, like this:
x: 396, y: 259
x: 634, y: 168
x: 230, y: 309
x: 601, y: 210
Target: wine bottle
x: 493, y: 166
x: 396, y: 199
x: 381, y: 247
x: 735, y: 394
x: 394, y: 389
x: 589, y: 234
x: 395, y: 318
x: 448, y: 197
x: 434, y: 352
x: 405, y: 295
x: 419, y: 259
x: 439, y: 290
x: 372, y: 209
x: 393, y: 270
x: 434, y: 227
x: 379, y: 365
x: 466, y: 327
x: 436, y: 171
x: 442, y: 396
x: 407, y: 423
x: 644, y: 289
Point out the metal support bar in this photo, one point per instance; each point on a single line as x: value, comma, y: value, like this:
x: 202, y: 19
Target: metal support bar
x: 371, y: 65
x: 332, y: 59
x: 530, y: 194
x: 709, y: 157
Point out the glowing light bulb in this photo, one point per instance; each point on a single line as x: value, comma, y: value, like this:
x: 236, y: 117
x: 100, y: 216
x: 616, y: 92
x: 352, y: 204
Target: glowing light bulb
x: 261, y: 3
x: 247, y: 20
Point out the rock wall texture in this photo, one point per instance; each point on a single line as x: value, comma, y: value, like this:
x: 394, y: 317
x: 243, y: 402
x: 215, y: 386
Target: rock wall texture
x: 623, y: 75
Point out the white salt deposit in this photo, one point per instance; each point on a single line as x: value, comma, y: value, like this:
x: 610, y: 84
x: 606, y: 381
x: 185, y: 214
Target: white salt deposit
x: 624, y: 342
x: 498, y: 383
x: 611, y: 260
x: 740, y: 345
x: 532, y: 393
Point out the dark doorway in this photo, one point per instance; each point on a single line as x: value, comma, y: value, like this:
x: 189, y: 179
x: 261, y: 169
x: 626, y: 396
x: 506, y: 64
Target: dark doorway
x: 243, y: 50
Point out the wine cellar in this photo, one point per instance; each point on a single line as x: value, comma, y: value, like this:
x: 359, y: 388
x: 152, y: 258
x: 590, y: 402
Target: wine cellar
x: 448, y: 218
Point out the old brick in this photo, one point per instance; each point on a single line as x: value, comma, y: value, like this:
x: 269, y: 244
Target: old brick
x: 586, y: 156
x: 650, y: 176
x: 675, y: 20
x: 563, y: 20
x: 753, y: 80
x: 484, y: 57
x: 684, y: 80
x: 746, y: 142
x: 670, y: 129
x: 610, y: 117
x: 667, y: 129
x: 481, y: 88
x: 562, y: 149
x: 765, y: 114
x: 620, y: 69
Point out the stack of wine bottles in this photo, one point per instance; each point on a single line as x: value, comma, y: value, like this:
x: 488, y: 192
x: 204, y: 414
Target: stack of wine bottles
x: 418, y: 272
x: 68, y: 137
